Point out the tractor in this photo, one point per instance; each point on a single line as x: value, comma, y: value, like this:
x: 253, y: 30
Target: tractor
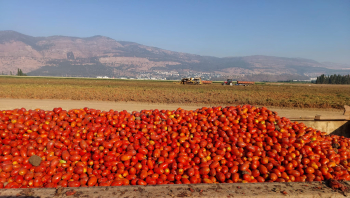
x: 228, y: 82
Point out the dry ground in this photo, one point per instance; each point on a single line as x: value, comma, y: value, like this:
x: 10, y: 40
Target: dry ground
x: 277, y: 94
x: 136, y: 95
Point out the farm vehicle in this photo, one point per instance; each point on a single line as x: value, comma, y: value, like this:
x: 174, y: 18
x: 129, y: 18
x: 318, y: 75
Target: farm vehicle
x: 243, y: 83
x: 194, y: 81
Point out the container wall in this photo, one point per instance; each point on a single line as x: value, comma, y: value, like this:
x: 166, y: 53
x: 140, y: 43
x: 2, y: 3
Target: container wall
x: 341, y: 128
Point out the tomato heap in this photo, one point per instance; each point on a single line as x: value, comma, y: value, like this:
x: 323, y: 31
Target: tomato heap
x: 88, y: 147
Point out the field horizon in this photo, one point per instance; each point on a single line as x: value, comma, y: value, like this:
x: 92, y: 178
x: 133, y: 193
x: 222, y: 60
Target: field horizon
x: 286, y: 95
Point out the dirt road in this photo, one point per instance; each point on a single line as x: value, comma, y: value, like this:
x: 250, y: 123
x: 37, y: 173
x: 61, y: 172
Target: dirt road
x: 48, y: 104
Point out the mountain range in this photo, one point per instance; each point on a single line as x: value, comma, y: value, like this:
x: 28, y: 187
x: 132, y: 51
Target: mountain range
x: 104, y: 56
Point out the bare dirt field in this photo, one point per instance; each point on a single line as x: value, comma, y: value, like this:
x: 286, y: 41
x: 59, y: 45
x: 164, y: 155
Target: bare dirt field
x: 282, y: 95
x: 49, y: 104
x: 289, y: 100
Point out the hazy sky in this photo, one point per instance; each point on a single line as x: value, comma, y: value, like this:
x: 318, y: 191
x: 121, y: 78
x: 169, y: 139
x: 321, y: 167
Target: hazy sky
x: 318, y: 30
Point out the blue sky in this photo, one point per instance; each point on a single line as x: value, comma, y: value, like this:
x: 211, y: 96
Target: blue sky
x: 314, y: 29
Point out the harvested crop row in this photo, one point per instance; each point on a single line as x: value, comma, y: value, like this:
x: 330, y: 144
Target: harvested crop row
x: 87, y: 147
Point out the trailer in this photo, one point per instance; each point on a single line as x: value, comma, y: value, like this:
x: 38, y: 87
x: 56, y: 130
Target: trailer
x: 245, y: 83
x: 207, y: 82
x: 337, y: 125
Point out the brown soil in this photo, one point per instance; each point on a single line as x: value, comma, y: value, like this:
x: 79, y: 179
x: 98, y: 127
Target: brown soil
x: 277, y: 95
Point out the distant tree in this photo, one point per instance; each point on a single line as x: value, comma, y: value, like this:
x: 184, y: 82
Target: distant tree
x: 319, y: 79
x: 343, y: 80
x: 338, y: 79
x: 20, y: 73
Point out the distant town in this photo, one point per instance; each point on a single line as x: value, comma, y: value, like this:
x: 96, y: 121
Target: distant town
x: 167, y: 75
x: 174, y: 75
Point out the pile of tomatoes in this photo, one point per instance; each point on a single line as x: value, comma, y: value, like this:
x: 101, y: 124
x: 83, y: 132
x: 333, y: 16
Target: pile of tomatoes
x: 88, y: 147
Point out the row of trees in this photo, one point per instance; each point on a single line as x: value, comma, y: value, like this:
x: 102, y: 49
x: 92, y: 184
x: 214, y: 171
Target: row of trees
x: 333, y: 79
x: 19, y: 73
